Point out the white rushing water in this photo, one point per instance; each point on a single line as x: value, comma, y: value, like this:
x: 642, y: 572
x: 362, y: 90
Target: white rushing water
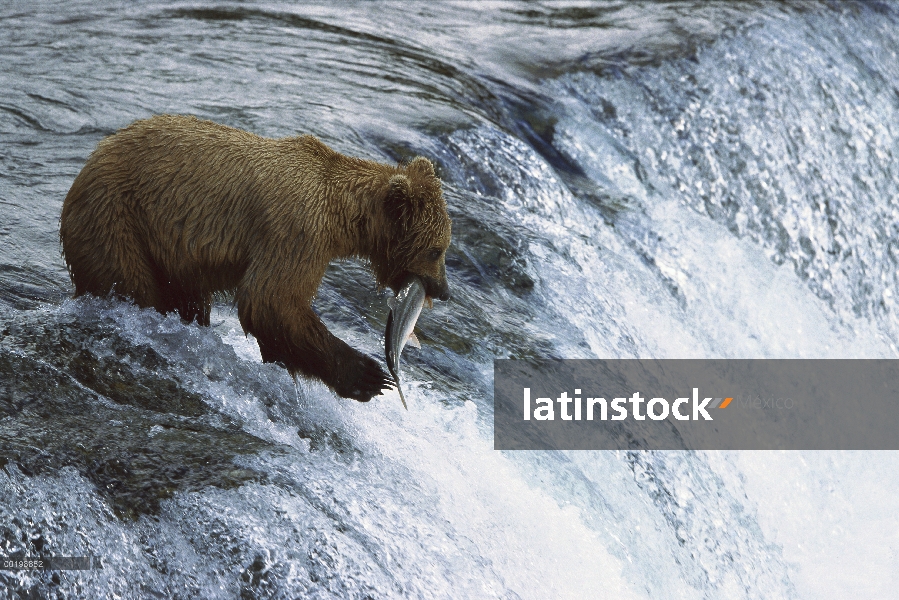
x: 737, y: 202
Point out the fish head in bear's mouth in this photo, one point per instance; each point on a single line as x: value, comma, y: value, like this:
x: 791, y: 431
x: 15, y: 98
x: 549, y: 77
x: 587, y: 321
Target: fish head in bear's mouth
x: 428, y: 265
x: 434, y: 288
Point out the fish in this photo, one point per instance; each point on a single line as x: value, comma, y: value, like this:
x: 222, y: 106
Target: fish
x: 404, y: 311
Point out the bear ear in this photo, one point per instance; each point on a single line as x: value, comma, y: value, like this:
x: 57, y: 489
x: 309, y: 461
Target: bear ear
x: 422, y: 166
x: 399, y: 198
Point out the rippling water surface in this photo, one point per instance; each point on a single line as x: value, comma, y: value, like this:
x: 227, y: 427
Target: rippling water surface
x: 655, y: 180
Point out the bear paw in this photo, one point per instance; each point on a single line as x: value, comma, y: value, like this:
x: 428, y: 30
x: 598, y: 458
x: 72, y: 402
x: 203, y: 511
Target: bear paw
x: 362, y: 379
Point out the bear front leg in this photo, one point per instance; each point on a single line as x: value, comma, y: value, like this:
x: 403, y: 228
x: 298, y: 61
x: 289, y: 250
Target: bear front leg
x: 305, y: 346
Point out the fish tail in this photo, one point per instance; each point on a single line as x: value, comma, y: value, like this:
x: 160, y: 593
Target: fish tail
x: 403, y: 398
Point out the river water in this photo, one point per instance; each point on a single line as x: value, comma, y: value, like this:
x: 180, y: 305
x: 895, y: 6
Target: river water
x: 674, y: 180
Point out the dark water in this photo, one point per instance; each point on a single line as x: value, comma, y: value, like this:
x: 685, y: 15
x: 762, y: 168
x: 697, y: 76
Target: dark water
x: 660, y: 180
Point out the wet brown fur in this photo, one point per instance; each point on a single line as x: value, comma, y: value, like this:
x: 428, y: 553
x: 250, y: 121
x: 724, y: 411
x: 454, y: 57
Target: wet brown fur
x: 171, y: 209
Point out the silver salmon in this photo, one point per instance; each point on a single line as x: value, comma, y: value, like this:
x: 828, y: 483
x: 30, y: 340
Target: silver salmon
x: 404, y: 312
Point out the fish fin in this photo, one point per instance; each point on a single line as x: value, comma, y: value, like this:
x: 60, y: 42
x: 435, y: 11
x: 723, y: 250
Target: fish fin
x: 391, y: 303
x: 413, y: 341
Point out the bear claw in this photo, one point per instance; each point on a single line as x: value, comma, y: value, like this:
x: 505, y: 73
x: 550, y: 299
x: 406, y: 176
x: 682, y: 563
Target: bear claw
x: 368, y: 380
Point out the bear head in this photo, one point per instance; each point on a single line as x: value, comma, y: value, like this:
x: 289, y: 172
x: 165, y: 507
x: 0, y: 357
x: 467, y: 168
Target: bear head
x: 420, y: 231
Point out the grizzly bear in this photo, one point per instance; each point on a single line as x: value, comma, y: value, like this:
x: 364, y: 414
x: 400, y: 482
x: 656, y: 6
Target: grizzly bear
x: 171, y: 209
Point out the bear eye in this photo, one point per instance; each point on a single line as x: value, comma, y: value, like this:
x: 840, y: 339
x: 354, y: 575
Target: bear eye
x: 434, y: 253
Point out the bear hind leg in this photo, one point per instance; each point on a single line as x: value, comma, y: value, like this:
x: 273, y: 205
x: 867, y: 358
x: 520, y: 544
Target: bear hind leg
x: 194, y: 307
x: 168, y: 296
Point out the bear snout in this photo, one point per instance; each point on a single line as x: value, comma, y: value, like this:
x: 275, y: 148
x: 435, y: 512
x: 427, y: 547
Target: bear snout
x: 436, y: 289
x: 442, y: 292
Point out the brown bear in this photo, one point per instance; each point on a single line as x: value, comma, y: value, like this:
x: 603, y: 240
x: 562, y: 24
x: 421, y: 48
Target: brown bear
x: 171, y: 209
